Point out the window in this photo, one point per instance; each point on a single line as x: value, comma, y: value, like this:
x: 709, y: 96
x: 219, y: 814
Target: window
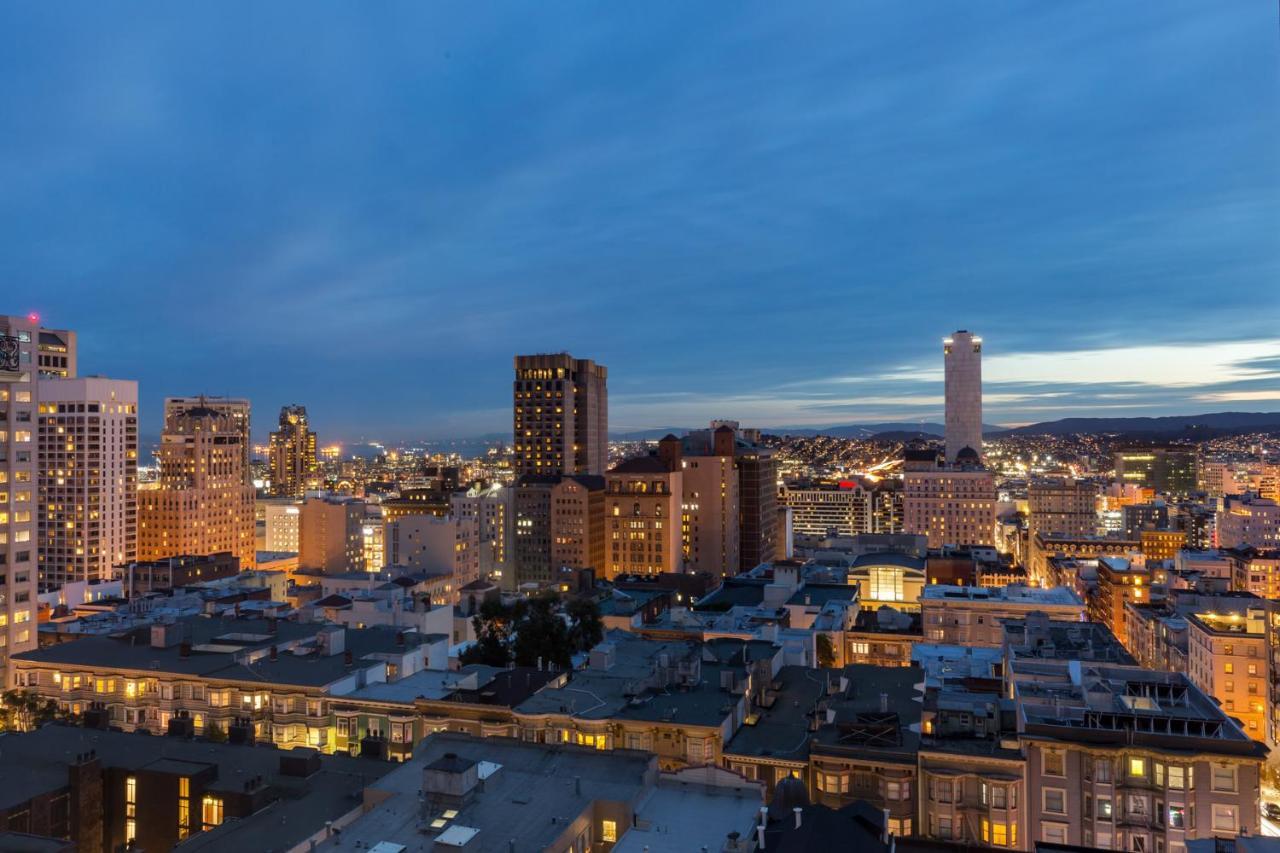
x: 944, y: 828
x: 1224, y: 818
x: 211, y: 811
x: 1055, y: 800
x: 1177, y: 816
x: 999, y: 834
x: 1102, y: 770
x: 1054, y: 833
x: 1104, y: 808
x: 1224, y: 778
x: 1137, y: 767
x: 184, y: 807
x: 1054, y: 764
x: 943, y: 791
x: 896, y: 790
x: 130, y: 808
x: 833, y: 783
x: 1177, y: 777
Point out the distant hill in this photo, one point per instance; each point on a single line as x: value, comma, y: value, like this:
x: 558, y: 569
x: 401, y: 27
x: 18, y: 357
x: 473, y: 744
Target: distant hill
x: 1216, y: 422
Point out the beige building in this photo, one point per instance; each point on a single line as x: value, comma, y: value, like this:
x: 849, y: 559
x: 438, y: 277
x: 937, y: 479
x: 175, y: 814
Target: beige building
x: 281, y: 524
x: 974, y: 615
x: 331, y: 535
x: 710, y: 523
x: 558, y: 522
x: 237, y: 411
x: 88, y: 478
x: 950, y: 506
x: 491, y: 509
x: 24, y: 358
x: 642, y: 513
x: 435, y: 545
x: 560, y: 408
x: 1227, y: 657
x: 1063, y: 506
x: 1248, y: 521
x: 292, y: 454
x: 202, y: 504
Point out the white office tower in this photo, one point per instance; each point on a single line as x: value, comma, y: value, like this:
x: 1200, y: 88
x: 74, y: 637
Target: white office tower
x: 963, y: 356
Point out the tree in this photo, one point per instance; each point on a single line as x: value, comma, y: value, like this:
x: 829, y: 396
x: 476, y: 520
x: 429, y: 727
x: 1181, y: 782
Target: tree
x: 494, y: 623
x: 24, y: 710
x: 542, y: 636
x: 826, y: 651
x: 214, y: 733
x: 586, y: 628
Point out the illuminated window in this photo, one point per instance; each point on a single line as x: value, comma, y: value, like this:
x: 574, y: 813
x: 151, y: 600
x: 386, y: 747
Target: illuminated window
x: 130, y: 808
x: 211, y: 811
x: 184, y: 807
x: 1137, y: 767
x: 609, y: 831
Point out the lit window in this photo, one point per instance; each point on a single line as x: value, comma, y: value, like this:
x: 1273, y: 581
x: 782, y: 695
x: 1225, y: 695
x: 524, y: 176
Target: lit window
x: 609, y: 831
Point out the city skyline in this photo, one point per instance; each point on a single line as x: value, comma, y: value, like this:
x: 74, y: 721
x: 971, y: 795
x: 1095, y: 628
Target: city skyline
x: 736, y: 227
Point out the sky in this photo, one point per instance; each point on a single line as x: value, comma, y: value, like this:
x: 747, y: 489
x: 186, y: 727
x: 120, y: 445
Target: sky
x: 765, y: 211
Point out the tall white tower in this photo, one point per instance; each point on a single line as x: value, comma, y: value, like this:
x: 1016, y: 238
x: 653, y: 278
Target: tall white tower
x: 962, y: 353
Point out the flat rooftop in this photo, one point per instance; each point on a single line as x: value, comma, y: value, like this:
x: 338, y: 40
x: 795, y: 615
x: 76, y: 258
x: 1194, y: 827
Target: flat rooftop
x: 1013, y: 594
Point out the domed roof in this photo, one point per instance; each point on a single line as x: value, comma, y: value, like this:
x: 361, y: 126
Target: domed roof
x: 967, y: 456
x: 787, y: 795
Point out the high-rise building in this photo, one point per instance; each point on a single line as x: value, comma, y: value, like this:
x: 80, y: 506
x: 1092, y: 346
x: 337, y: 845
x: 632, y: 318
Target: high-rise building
x: 758, y: 534
x: 491, y: 509
x: 710, y: 511
x: 331, y: 535
x: 558, y: 523
x: 1167, y: 469
x: 279, y: 520
x: 436, y: 545
x: 202, y: 504
x: 1062, y: 505
x: 642, y: 512
x: 88, y: 478
x: 236, y: 409
x: 20, y: 347
x: 1248, y: 521
x: 950, y: 505
x: 962, y: 354
x: 560, y: 408
x: 292, y: 451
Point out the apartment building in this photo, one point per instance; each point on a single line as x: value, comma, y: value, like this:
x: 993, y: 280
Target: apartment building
x: 331, y: 535
x: 1063, y: 506
x: 1248, y: 521
x: 643, y: 513
x: 202, y: 504
x: 560, y: 415
x: 973, y: 615
x: 87, y: 448
x: 253, y: 679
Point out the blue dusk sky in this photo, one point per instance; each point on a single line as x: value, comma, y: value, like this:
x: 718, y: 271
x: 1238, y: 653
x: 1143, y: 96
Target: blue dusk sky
x: 769, y: 211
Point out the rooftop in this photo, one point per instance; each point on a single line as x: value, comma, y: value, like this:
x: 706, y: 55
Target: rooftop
x: 1015, y: 594
x: 233, y: 649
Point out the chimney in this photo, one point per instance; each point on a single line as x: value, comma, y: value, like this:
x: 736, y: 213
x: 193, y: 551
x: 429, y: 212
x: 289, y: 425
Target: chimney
x: 347, y: 659
x: 884, y: 703
x: 400, y: 638
x: 884, y: 833
x: 798, y: 813
x: 184, y: 649
x: 274, y: 652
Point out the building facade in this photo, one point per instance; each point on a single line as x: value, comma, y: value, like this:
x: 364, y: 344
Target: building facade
x: 560, y: 407
x: 331, y: 535
x: 292, y: 455
x: 88, y: 478
x: 962, y: 360
x: 643, y: 513
x: 237, y: 411
x: 202, y: 504
x: 1062, y: 505
x: 21, y: 365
